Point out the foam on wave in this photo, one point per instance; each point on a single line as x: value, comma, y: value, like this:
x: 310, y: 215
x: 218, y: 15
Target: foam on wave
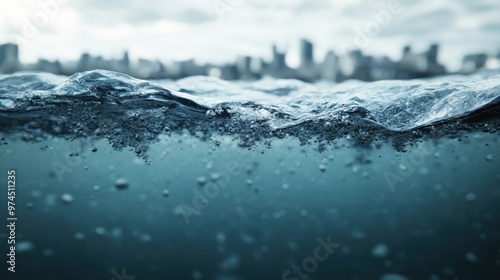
x: 132, y: 113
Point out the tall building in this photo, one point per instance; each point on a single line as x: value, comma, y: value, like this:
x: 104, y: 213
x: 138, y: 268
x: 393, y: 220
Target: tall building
x: 356, y: 65
x: 278, y: 67
x: 9, y: 58
x: 243, y: 64
x: 278, y: 63
x: 473, y: 62
x: 308, y: 70
x: 306, y: 53
x: 330, y: 67
x: 125, y: 62
x: 434, y: 68
x: 419, y: 65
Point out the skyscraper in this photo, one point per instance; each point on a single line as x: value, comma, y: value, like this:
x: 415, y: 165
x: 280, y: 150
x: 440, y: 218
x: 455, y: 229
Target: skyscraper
x: 9, y: 58
x: 306, y: 53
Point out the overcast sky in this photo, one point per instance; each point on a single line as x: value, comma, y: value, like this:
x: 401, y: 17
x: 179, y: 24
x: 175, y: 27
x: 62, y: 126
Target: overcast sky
x: 219, y: 30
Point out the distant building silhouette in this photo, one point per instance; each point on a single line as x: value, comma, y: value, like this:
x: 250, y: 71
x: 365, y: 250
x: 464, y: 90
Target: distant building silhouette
x: 9, y: 58
x: 473, y: 62
x: 419, y: 65
x: 308, y: 69
x: 353, y: 65
x: 278, y: 64
x: 306, y: 53
x: 329, y: 69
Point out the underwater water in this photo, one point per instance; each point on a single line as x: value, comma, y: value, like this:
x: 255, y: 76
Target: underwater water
x: 118, y: 178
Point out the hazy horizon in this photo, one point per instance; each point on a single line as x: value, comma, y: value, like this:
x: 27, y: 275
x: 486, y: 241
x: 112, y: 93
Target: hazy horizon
x: 219, y: 30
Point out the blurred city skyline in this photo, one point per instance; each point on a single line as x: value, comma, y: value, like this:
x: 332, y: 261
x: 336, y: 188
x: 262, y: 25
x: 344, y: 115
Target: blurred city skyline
x: 217, y: 31
x: 351, y: 64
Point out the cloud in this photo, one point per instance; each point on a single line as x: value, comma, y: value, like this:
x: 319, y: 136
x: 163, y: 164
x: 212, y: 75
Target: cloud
x: 421, y: 24
x: 194, y: 16
x: 174, y: 30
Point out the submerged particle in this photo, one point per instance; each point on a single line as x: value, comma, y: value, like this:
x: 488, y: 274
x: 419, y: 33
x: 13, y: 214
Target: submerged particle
x: 117, y: 232
x: 292, y: 245
x: 97, y: 188
x: 86, y: 168
x: 145, y: 237
x: 67, y: 198
x: 393, y: 276
x: 166, y: 193
x: 231, y: 263
x: 278, y: 214
x: 470, y: 197
x: 47, y: 253
x: 29, y: 205
x: 94, y: 149
x: 197, y: 275
x: 209, y: 165
x: 380, y: 250
x: 24, y: 246
x: 285, y: 186
x: 471, y: 257
x: 215, y: 176
x: 221, y: 237
x: 424, y: 171
x: 121, y: 184
x: 202, y: 181
x: 448, y: 271
x: 322, y: 167
x: 490, y: 157
x: 249, y: 182
x: 358, y: 234
x: 80, y: 237
x: 100, y: 230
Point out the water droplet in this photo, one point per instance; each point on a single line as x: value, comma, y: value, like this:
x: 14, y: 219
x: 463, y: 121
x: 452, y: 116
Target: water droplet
x: 285, y: 186
x: 100, y: 230
x: 117, y: 232
x: 471, y: 257
x: 197, y: 275
x: 24, y: 246
x: 121, y: 184
x: 393, y: 276
x: 322, y: 167
x: 80, y: 237
x: 221, y: 237
x: 47, y: 252
x: 202, y: 181
x: 145, y: 237
x: 215, y: 176
x: 380, y: 250
x: 166, y: 193
x: 470, y: 197
x: 67, y: 198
